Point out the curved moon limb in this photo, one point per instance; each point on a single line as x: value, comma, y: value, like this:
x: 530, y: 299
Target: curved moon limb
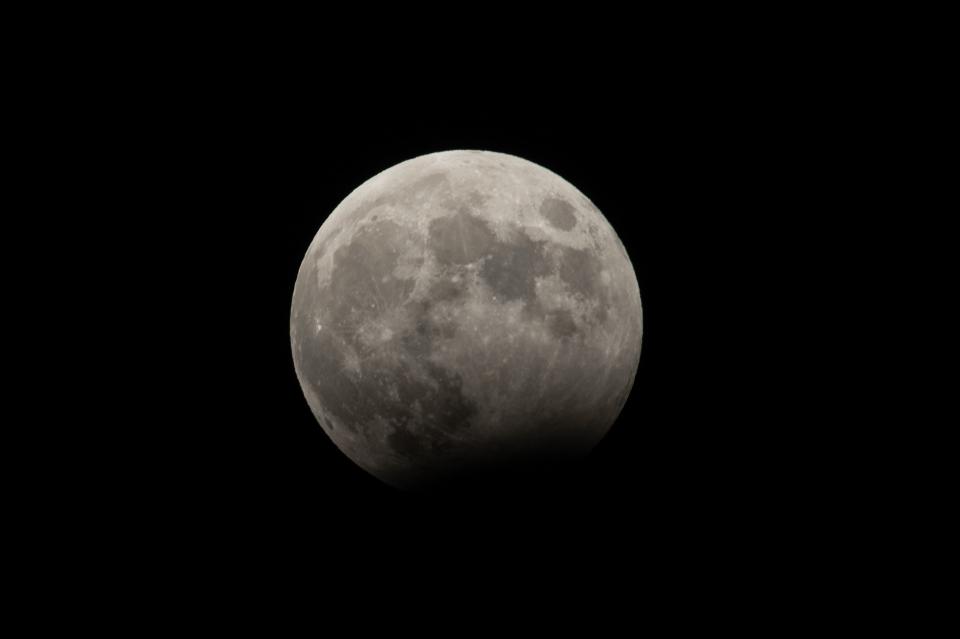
x: 461, y: 312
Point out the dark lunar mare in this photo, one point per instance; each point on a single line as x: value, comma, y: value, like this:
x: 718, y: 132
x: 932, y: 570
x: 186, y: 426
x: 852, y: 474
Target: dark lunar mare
x: 398, y: 396
x: 559, y: 213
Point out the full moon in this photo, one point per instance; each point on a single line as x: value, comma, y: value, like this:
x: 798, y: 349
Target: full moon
x: 461, y: 313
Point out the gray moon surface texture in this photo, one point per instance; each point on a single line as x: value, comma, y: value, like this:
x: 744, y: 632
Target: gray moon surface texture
x: 461, y: 312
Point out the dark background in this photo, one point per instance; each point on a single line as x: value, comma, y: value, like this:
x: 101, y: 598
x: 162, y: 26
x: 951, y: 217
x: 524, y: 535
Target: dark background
x: 196, y: 157
x: 683, y: 183
x: 700, y: 164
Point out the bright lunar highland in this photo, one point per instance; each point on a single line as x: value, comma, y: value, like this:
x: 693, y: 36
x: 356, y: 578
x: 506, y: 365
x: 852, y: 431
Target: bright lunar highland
x: 464, y: 312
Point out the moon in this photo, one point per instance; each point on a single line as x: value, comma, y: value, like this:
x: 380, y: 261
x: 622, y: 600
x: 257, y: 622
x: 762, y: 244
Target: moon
x: 461, y: 313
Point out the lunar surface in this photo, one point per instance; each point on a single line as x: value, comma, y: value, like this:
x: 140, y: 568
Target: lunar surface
x: 464, y: 312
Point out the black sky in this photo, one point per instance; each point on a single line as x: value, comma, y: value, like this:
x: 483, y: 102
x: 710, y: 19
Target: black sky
x: 697, y: 162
